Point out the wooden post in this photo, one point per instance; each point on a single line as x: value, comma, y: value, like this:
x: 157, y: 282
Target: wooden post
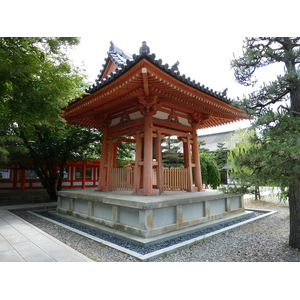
x: 23, y: 180
x: 95, y: 169
x: 83, y: 176
x: 15, y: 171
x: 137, y: 167
x: 102, y: 185
x: 159, y: 173
x: 188, y: 162
x: 110, y: 162
x: 72, y: 175
x: 185, y: 152
x: 113, y: 154
x: 148, y: 156
x: 196, y: 158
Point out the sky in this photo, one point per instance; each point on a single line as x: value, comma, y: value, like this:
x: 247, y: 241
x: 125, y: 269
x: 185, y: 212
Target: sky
x: 202, y: 36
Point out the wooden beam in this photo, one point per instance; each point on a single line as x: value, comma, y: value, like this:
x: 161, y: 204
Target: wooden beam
x: 122, y: 139
x: 145, y: 81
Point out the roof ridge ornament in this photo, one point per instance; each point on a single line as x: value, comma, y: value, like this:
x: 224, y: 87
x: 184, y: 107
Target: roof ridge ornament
x: 175, y: 66
x: 144, y: 49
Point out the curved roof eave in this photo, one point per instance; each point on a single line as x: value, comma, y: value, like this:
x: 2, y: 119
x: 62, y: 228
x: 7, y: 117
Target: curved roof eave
x: 122, y: 68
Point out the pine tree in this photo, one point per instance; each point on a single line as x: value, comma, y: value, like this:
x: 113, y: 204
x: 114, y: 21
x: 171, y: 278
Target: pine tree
x: 275, y: 151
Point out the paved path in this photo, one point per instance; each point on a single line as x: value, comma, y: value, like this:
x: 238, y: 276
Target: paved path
x: 21, y: 241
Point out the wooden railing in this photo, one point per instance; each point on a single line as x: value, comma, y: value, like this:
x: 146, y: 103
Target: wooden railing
x: 176, y: 179
x: 121, y: 179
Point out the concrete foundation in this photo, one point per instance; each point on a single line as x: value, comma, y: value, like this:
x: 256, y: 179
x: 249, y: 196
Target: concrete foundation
x: 148, y: 216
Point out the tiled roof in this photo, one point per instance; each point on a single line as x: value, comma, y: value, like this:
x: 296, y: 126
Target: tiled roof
x: 212, y: 140
x: 117, y: 55
x: 125, y: 61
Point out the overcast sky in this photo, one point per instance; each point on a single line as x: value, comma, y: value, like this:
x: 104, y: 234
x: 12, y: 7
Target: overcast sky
x: 201, y: 35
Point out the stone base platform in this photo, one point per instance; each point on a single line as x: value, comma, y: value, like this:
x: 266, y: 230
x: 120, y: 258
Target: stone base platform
x: 148, y: 216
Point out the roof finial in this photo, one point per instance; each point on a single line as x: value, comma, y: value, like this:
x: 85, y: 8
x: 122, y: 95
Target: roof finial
x: 175, y: 66
x: 144, y: 48
x: 224, y: 93
x: 112, y: 47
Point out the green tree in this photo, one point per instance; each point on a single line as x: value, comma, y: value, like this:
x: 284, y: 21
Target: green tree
x: 172, y: 161
x: 221, y: 155
x: 242, y: 173
x: 125, y: 154
x: 201, y: 145
x: 209, y: 170
x: 37, y: 81
x: 50, y: 146
x: 275, y: 153
x: 170, y: 147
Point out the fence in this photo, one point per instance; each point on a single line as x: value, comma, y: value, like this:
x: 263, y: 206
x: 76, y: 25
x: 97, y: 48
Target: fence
x: 86, y: 175
x: 76, y: 174
x: 176, y: 179
x: 121, y: 179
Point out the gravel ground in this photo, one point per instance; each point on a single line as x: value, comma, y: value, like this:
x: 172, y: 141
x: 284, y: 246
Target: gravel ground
x: 265, y: 240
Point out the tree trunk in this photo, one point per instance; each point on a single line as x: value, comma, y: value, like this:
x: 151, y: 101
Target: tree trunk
x: 48, y: 182
x: 61, y: 175
x: 294, y: 205
x: 50, y: 186
x: 294, y: 188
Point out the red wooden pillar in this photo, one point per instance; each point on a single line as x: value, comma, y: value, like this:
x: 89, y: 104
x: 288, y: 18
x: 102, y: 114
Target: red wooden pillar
x: 83, y: 176
x: 185, y: 152
x: 137, y: 166
x: 103, y: 177
x: 113, y: 153
x: 72, y: 175
x: 95, y: 178
x: 148, y: 156
x: 23, y: 179
x: 159, y: 173
x: 196, y: 159
x: 188, y: 162
x: 15, y: 171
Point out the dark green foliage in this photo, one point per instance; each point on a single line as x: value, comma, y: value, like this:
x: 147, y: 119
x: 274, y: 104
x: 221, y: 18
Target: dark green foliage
x: 37, y: 81
x: 202, y: 144
x: 274, y: 156
x: 125, y: 154
x: 52, y: 145
x: 10, y: 147
x: 172, y: 161
x: 170, y: 145
x: 209, y: 170
x: 242, y: 173
x: 221, y: 155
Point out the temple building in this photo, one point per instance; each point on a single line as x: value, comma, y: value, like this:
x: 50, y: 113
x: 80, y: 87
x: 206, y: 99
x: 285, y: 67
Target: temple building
x: 140, y: 100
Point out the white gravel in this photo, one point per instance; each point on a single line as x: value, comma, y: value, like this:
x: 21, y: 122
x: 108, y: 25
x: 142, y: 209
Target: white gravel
x: 265, y: 240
